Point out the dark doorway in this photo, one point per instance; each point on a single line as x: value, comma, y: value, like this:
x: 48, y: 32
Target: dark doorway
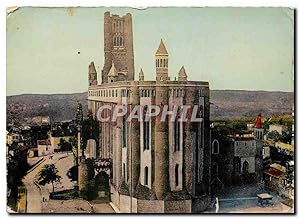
x: 102, y: 187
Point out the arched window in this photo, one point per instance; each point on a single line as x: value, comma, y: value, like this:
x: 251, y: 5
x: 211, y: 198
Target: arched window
x: 124, y: 132
x: 146, y: 176
x: 245, y: 167
x: 115, y: 41
x: 215, y: 146
x: 160, y: 64
x: 121, y: 41
x: 146, y: 128
x: 237, y: 165
x: 176, y: 175
x: 177, y: 133
x: 124, y: 170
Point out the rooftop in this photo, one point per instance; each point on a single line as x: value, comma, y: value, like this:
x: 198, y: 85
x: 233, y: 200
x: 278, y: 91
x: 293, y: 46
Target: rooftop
x: 43, y: 142
x: 161, y: 49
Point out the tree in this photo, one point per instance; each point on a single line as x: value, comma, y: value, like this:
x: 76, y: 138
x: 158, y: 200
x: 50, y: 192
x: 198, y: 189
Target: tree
x: 79, y: 114
x: 274, y: 135
x: 17, y: 167
x: 64, y: 145
x: 48, y: 174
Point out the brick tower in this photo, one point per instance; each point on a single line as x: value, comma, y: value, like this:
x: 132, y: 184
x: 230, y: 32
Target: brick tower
x: 118, y: 47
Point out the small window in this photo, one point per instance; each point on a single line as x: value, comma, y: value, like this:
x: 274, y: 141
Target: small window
x: 146, y: 129
x: 146, y: 176
x: 215, y: 147
x: 177, y: 136
x: 115, y: 41
x: 245, y: 167
x: 176, y: 175
x: 124, y: 170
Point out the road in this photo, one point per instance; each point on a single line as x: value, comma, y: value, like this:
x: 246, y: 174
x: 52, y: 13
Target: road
x: 35, y: 193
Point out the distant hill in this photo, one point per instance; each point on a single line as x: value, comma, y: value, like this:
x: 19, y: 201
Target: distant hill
x: 225, y: 104
x: 58, y: 106
x: 228, y: 104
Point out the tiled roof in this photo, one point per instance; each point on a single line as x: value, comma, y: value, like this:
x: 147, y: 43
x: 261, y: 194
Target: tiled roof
x: 273, y: 172
x: 43, y: 142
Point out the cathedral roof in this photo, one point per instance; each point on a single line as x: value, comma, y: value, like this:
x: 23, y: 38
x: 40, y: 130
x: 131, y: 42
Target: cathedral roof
x: 92, y: 68
x: 161, y: 49
x: 113, y: 71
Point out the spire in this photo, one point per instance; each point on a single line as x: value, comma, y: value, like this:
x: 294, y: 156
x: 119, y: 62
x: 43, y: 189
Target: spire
x: 113, y: 71
x: 141, y: 75
x: 92, y: 74
x: 258, y: 122
x: 92, y: 68
x: 182, y: 74
x: 161, y: 49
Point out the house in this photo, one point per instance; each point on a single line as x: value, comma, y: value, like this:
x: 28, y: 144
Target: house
x: 280, y: 179
x: 12, y: 137
x: 279, y: 128
x: 44, y: 147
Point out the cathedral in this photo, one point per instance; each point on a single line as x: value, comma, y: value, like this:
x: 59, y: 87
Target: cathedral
x: 156, y: 166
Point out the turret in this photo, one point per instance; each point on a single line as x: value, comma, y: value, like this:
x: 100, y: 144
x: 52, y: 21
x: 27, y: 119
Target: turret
x: 141, y: 75
x: 112, y: 74
x: 161, y: 58
x: 259, y: 137
x: 182, y: 74
x: 92, y: 74
x: 258, y: 130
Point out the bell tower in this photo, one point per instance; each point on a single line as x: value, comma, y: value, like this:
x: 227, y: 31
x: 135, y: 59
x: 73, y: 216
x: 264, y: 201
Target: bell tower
x: 161, y: 58
x: 118, y: 47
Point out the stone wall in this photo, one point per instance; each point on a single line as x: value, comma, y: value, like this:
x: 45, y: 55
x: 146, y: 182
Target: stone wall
x: 182, y: 206
x: 150, y: 206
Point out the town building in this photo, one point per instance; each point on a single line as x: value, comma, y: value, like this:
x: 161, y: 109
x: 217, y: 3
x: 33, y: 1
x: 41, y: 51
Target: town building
x: 157, y: 166
x: 278, y: 128
x: 236, y: 156
x: 41, y: 120
x: 44, y: 147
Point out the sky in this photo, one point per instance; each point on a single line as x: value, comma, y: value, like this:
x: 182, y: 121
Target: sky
x: 49, y: 49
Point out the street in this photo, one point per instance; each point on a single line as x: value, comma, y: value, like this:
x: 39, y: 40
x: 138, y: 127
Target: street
x: 35, y: 193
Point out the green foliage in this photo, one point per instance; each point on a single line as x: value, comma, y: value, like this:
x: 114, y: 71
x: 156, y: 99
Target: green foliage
x: 90, y: 129
x: 73, y: 173
x: 79, y: 114
x: 239, y: 124
x: 73, y: 142
x: 17, y: 167
x: 274, y: 135
x: 48, y: 174
x: 64, y: 145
